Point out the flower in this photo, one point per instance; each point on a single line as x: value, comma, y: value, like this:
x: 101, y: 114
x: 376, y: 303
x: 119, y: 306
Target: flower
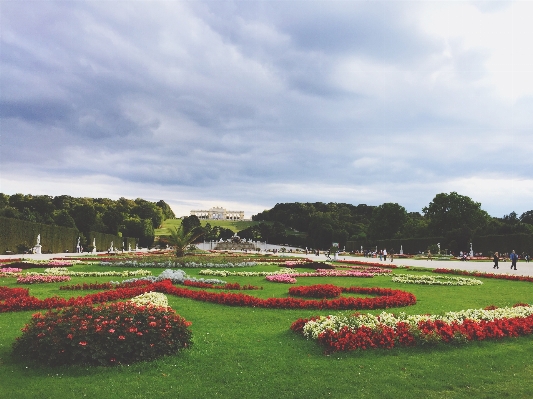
x: 83, y: 343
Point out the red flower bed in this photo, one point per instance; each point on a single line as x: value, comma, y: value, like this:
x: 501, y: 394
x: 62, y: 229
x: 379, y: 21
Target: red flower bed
x: 387, y: 298
x: 316, y: 291
x: 107, y: 334
x: 427, y: 332
x: 485, y: 275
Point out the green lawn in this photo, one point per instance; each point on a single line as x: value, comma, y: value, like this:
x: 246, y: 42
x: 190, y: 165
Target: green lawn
x: 233, y: 225
x: 251, y: 353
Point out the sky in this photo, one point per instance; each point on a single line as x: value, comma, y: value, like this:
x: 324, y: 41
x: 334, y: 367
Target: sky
x: 245, y: 104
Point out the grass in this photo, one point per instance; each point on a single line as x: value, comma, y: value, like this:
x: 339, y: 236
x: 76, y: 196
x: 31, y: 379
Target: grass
x: 233, y: 225
x: 251, y: 353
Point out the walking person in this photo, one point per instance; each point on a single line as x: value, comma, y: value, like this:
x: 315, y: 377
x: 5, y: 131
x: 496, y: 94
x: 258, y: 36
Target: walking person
x: 385, y: 255
x: 514, y: 258
x: 429, y: 256
x: 496, y: 259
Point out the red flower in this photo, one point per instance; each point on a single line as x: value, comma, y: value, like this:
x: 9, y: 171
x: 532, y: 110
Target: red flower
x: 83, y: 343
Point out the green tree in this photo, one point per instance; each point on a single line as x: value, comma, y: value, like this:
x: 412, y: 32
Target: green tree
x: 387, y: 221
x: 448, y: 212
x: 190, y: 223
x: 63, y: 218
x: 180, y: 239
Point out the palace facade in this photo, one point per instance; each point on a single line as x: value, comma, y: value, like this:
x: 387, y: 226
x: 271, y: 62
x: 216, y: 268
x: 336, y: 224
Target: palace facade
x: 218, y: 213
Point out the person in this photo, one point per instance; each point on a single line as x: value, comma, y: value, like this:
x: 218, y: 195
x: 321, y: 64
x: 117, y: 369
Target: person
x: 380, y: 254
x: 514, y: 258
x: 385, y: 255
x: 429, y: 255
x: 526, y: 257
x: 327, y: 254
x: 496, y: 259
x: 391, y: 254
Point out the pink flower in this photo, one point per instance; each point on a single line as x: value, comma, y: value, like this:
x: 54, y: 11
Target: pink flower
x: 111, y: 330
x: 122, y: 337
x: 69, y: 336
x: 83, y: 343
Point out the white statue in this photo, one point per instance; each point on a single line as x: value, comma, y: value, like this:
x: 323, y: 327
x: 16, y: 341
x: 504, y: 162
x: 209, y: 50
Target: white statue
x: 129, y: 247
x: 37, y: 247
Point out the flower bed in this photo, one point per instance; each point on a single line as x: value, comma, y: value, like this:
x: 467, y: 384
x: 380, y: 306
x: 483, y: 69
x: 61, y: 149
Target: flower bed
x: 63, y: 271
x: 150, y: 299
x: 316, y: 291
x: 281, y: 278
x: 434, y: 280
x: 37, y: 279
x: 374, y: 264
x: 225, y: 273
x: 104, y: 335
x: 368, y: 269
x: 485, y: 275
x: 347, y: 333
x: 10, y: 270
x: 386, y: 298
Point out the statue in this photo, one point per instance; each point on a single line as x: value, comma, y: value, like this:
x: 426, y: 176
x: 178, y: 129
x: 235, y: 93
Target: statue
x: 94, y: 245
x: 37, y: 247
x: 78, y: 246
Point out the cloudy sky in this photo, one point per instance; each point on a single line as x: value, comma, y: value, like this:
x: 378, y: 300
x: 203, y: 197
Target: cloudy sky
x: 247, y: 104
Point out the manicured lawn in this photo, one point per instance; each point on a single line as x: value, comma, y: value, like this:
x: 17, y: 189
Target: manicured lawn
x: 233, y: 225
x: 251, y: 353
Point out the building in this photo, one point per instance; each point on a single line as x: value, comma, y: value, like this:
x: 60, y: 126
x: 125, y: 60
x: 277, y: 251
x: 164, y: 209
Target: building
x: 218, y: 213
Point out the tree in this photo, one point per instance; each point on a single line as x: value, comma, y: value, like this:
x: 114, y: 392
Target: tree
x: 63, y: 218
x: 387, y: 220
x: 180, y: 239
x: 167, y: 211
x: 448, y: 212
x: 190, y: 223
x: 527, y: 217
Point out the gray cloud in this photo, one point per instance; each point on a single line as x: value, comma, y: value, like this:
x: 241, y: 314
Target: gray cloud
x: 254, y: 103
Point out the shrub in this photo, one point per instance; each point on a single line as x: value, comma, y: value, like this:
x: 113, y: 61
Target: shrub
x: 108, y: 334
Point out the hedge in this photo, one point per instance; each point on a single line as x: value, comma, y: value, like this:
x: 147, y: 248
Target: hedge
x: 15, y: 234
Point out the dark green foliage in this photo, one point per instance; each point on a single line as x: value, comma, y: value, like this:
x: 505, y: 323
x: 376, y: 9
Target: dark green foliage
x: 452, y: 211
x: 19, y: 235
x: 167, y: 211
x: 189, y: 223
x: 88, y: 214
x: 387, y: 221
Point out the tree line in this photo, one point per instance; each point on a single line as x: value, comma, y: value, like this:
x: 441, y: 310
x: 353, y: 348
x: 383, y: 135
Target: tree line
x: 131, y: 218
x: 455, y: 217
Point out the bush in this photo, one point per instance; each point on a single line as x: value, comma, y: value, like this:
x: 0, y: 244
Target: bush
x: 108, y: 334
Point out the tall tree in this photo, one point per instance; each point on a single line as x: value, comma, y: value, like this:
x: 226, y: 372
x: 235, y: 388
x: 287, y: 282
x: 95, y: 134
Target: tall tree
x: 452, y: 211
x: 387, y: 221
